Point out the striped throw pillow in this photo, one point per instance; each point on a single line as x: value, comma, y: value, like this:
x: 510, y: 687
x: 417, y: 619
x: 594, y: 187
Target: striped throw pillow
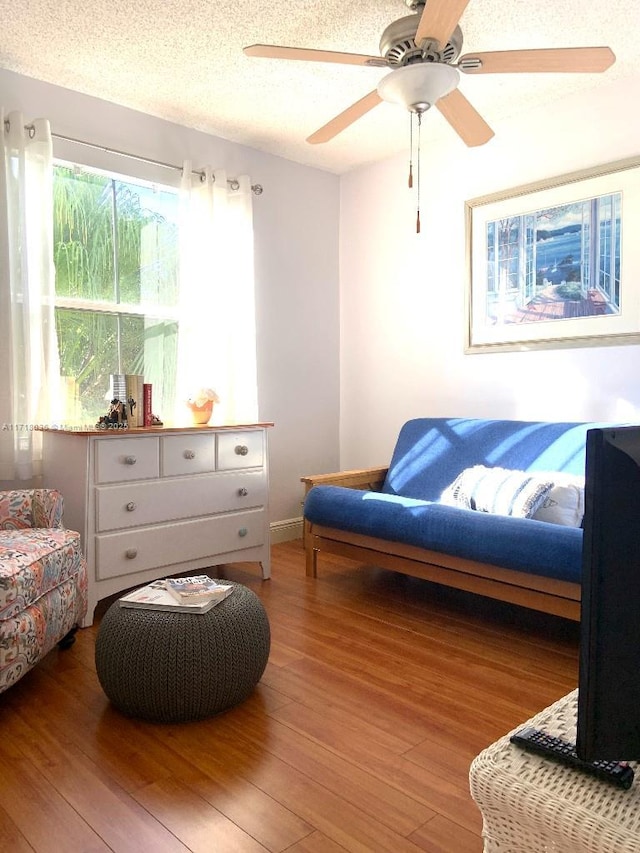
x: 497, y: 490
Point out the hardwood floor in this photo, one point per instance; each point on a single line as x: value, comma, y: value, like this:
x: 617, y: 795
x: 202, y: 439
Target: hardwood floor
x: 379, y: 691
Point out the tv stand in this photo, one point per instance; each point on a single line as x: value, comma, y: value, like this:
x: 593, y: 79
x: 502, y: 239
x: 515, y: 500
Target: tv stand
x: 530, y: 804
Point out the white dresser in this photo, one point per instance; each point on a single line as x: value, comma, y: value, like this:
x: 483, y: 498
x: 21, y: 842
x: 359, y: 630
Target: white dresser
x: 155, y: 502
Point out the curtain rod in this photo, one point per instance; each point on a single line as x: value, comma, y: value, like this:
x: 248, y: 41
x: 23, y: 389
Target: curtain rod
x: 257, y: 189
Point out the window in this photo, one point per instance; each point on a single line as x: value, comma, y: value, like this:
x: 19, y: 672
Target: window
x: 116, y: 263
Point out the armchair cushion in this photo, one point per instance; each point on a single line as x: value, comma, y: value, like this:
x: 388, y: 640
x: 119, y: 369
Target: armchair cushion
x: 21, y: 509
x: 43, y: 580
x: 33, y: 562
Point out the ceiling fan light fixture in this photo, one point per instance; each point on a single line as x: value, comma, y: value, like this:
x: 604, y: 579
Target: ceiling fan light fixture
x: 417, y: 87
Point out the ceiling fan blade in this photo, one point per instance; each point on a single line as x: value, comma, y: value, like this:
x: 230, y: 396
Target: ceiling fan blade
x: 554, y: 59
x: 464, y: 119
x: 439, y: 20
x: 341, y: 122
x: 273, y: 51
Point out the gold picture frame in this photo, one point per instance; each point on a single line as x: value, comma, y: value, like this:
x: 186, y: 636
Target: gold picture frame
x: 555, y: 263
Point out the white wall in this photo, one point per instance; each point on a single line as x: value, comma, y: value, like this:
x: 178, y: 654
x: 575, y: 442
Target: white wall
x: 402, y: 294
x: 296, y: 256
x: 345, y: 371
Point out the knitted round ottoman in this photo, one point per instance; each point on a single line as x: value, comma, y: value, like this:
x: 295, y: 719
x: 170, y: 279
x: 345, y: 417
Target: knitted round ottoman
x: 171, y: 667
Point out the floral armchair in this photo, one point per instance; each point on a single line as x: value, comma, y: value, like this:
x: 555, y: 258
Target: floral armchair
x: 43, y: 580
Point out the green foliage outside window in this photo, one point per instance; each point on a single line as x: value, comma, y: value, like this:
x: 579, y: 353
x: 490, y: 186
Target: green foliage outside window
x: 115, y: 254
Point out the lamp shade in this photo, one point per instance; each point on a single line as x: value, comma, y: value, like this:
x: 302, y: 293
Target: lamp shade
x: 417, y: 87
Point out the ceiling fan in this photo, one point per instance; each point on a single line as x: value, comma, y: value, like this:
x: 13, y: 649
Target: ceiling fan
x: 423, y: 49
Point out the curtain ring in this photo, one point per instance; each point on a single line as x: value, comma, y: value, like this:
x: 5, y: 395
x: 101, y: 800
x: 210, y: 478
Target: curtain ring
x: 235, y: 185
x: 30, y: 128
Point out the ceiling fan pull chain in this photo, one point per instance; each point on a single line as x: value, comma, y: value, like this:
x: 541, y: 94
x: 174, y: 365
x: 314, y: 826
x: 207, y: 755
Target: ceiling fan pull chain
x: 418, y: 175
x: 410, y: 150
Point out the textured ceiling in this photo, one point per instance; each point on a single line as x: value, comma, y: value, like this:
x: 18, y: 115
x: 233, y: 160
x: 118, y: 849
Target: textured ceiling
x: 182, y: 60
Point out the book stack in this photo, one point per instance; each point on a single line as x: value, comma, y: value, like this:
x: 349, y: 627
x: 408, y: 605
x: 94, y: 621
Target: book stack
x: 182, y: 595
x: 118, y: 387
x: 134, y: 399
x: 147, y: 411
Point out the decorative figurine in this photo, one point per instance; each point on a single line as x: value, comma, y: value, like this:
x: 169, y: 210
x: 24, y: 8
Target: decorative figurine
x: 116, y: 417
x: 119, y: 414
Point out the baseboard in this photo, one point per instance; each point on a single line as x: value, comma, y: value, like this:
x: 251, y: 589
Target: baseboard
x: 285, y: 530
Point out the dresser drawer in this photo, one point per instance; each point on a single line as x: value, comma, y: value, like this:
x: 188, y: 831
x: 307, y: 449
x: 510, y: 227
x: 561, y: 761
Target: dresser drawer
x: 138, y: 504
x: 121, y: 459
x: 133, y: 551
x: 188, y: 453
x: 240, y: 450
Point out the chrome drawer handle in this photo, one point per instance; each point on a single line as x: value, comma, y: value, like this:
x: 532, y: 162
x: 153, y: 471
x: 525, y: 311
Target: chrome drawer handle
x: 243, y: 492
x: 189, y: 454
x: 130, y: 460
x: 243, y: 531
x: 131, y: 506
x: 131, y: 553
x: 242, y: 449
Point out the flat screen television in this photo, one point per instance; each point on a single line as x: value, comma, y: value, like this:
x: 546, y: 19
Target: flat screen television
x: 609, y: 676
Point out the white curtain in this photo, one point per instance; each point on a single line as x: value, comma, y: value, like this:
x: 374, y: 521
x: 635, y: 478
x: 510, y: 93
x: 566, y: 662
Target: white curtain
x: 29, y: 393
x: 217, y: 329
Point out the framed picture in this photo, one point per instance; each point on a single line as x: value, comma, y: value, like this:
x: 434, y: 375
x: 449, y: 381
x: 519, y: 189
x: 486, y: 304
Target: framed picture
x: 556, y: 263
